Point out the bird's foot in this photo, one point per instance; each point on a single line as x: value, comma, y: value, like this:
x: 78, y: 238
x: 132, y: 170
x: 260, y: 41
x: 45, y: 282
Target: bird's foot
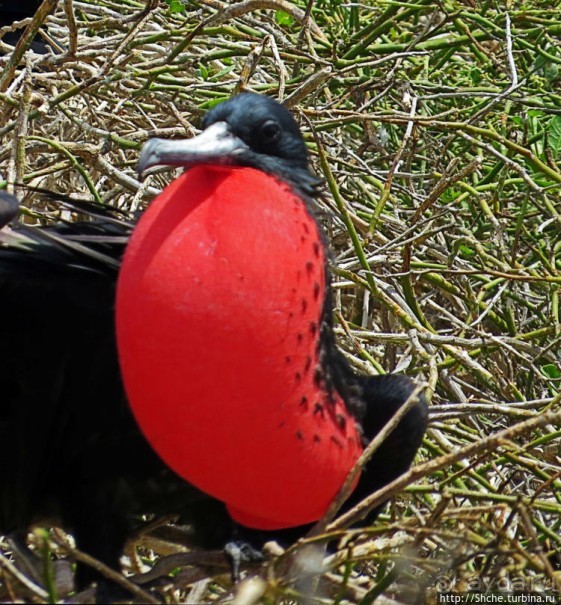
x: 239, y: 552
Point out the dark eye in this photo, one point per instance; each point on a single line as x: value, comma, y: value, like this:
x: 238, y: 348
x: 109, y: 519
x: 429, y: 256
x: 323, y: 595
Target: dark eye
x: 270, y: 130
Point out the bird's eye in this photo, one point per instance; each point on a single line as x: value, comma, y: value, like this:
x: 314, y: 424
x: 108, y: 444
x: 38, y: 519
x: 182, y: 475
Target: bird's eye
x: 270, y: 130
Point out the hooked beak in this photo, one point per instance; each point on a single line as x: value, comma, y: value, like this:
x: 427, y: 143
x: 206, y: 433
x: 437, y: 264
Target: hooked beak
x: 215, y: 145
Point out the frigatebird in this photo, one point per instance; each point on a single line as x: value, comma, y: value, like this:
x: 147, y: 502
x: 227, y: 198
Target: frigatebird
x: 200, y: 375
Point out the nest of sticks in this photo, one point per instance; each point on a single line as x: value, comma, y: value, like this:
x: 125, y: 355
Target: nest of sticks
x: 437, y: 130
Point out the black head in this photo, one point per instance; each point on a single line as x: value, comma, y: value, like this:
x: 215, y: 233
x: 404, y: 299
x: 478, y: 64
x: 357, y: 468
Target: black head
x: 247, y: 130
x: 264, y: 125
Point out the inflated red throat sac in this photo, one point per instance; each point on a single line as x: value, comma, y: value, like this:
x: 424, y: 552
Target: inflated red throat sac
x: 219, y: 308
x: 218, y: 313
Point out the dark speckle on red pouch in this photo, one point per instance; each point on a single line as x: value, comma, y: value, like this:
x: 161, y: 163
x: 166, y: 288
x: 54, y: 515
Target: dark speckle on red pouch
x: 317, y: 289
x: 316, y: 249
x: 336, y: 441
x: 317, y: 377
x: 318, y: 409
x: 313, y: 328
x: 300, y: 435
x: 303, y: 305
x: 341, y: 421
x: 309, y: 267
x: 304, y: 402
x: 308, y: 364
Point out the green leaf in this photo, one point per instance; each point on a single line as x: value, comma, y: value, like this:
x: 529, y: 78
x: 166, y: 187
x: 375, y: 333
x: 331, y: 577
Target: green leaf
x: 283, y: 18
x: 203, y: 71
x: 475, y: 76
x: 222, y: 73
x: 551, y: 371
x: 551, y: 71
x: 176, y: 6
x: 213, y: 103
x: 466, y: 251
x: 554, y: 135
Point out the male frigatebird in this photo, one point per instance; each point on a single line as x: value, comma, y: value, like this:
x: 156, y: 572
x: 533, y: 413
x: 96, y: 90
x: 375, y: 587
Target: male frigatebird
x: 225, y: 343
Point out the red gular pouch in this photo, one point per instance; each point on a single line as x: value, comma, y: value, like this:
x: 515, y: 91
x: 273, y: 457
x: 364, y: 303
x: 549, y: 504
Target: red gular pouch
x: 219, y: 304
